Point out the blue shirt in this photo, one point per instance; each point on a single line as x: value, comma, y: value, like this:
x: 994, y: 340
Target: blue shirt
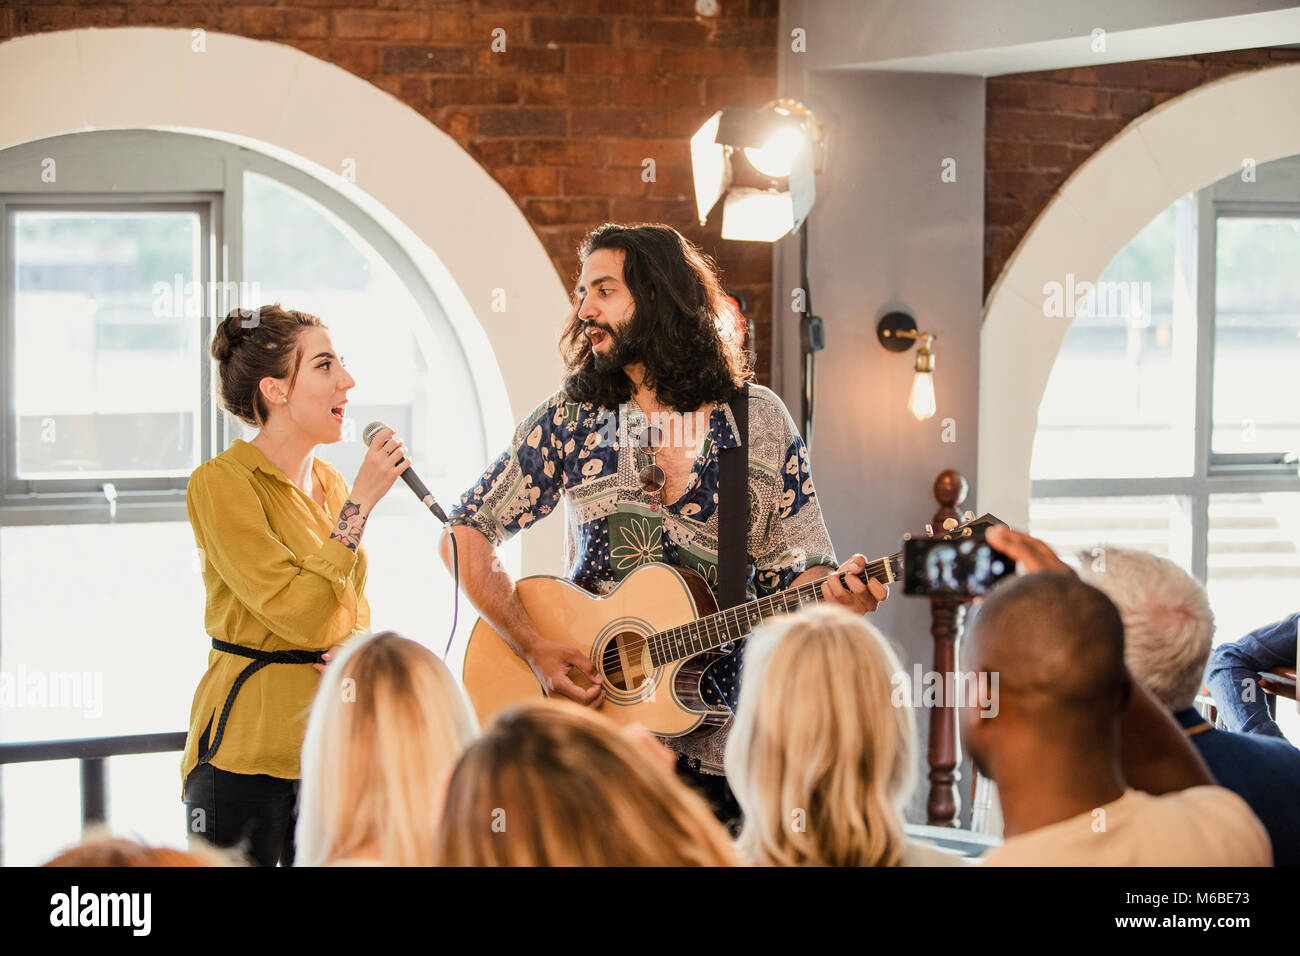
x: 1263, y: 771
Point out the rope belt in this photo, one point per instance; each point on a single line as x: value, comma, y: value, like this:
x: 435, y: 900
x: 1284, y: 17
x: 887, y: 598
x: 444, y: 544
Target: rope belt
x: 259, y: 660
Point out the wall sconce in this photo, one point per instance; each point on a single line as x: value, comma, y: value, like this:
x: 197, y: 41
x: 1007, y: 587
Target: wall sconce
x: 896, y: 331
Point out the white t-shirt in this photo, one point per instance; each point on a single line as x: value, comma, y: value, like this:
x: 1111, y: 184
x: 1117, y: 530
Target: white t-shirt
x: 1200, y: 826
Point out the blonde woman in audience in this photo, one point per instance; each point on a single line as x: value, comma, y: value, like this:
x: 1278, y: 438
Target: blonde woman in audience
x: 820, y: 758
x: 387, y: 726
x: 551, y: 784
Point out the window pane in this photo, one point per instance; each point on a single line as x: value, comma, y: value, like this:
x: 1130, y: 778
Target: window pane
x: 1118, y: 402
x: 106, y: 353
x: 1257, y: 335
x: 1155, y: 523
x: 123, y: 657
x: 410, y: 373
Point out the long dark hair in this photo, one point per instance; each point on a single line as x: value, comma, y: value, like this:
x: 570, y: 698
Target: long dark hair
x: 679, y: 307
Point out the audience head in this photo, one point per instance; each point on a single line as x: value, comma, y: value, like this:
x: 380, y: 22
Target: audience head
x: 1168, y: 624
x: 387, y: 725
x: 101, y: 848
x: 819, y: 756
x: 551, y: 784
x: 1056, y: 645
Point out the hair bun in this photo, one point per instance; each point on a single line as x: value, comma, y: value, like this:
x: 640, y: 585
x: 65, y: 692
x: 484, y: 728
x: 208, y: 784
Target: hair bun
x: 234, y: 329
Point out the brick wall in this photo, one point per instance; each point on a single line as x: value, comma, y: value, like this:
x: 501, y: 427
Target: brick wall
x: 584, y: 92
x: 1041, y: 126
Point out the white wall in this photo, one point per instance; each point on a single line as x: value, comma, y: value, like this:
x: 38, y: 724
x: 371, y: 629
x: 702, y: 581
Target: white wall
x: 886, y: 233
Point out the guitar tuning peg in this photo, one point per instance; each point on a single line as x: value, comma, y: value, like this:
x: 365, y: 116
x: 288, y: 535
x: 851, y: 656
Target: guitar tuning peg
x: 929, y: 530
x: 966, y: 532
x: 950, y: 523
x: 968, y: 516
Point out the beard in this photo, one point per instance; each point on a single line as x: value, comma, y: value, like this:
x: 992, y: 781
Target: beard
x: 623, y: 348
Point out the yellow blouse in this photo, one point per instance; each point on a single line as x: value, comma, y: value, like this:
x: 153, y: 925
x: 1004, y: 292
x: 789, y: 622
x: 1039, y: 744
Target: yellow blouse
x: 275, y: 580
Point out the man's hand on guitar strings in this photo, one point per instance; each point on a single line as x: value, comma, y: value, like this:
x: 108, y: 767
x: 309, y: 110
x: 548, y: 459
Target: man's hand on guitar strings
x: 552, y: 662
x: 858, y: 597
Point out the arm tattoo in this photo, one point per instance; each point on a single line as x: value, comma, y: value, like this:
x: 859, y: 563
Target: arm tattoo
x: 350, y: 525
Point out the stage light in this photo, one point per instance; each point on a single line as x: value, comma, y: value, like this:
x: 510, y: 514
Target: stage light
x: 763, y: 162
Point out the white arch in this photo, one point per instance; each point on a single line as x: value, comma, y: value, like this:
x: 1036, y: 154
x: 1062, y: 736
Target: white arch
x: 458, y: 225
x: 1183, y: 145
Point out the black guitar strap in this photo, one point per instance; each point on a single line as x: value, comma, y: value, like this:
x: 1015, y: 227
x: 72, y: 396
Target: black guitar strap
x: 733, y: 509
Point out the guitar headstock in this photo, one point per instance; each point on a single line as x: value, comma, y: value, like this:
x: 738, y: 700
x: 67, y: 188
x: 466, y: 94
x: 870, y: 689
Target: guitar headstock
x: 971, y: 527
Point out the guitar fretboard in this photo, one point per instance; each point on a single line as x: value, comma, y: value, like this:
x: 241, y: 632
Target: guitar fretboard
x: 708, y: 633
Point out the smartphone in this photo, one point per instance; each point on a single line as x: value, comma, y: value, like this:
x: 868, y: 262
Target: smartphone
x: 957, y: 568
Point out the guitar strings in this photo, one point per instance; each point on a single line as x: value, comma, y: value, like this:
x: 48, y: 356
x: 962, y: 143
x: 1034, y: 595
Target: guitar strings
x: 665, y: 644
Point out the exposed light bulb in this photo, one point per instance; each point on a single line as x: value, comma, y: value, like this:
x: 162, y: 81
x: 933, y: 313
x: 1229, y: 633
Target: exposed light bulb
x: 921, y: 402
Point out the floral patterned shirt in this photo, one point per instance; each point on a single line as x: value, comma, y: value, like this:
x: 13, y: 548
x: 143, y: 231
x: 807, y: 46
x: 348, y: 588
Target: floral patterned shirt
x: 582, y: 453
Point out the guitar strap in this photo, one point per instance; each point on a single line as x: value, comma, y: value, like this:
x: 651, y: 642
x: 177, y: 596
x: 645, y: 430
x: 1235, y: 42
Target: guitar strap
x: 733, y: 508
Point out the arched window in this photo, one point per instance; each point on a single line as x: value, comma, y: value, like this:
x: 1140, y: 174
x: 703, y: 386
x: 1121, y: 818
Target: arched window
x: 117, y: 259
x: 1170, y: 421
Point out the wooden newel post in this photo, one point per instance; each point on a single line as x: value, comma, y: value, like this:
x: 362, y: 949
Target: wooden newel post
x: 946, y: 617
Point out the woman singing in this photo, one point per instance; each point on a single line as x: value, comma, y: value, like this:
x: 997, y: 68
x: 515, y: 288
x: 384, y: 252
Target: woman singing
x: 279, y: 538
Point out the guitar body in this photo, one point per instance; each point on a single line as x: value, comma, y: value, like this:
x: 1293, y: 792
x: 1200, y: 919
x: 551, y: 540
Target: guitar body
x: 611, y: 630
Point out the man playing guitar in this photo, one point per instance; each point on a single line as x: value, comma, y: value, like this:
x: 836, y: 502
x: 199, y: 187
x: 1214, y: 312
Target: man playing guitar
x: 631, y: 442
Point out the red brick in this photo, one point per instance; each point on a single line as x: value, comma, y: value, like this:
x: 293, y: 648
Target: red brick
x: 282, y: 22
x: 358, y: 57
x: 549, y: 212
x: 638, y: 91
x: 1023, y: 124
x: 461, y: 125
x: 1122, y: 75
x: 665, y: 152
x: 1080, y: 74
x: 1000, y: 153
x: 450, y: 23
x: 40, y: 19
x: 604, y: 182
x: 564, y: 7
x: 1175, y: 76
x: 381, y: 25
x: 706, y: 62
x: 560, y: 89
x: 473, y: 91
x: 566, y: 30
x: 519, y: 59
x: 483, y: 27
x: 647, y: 34
x: 606, y: 122
x: 1130, y: 102
x: 559, y: 152
x: 522, y: 121
x: 425, y: 59
x: 1093, y: 130
x: 522, y: 181
x: 611, y: 62
x: 1001, y: 93
x: 670, y: 211
x: 1049, y: 156
x: 1062, y: 97
x: 746, y: 91
x: 493, y: 152
x: 672, y: 182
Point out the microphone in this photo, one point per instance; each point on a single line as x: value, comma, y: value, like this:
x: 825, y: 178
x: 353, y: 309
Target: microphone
x: 409, y: 476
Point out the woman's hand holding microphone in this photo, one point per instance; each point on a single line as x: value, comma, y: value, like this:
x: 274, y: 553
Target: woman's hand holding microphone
x: 384, y: 463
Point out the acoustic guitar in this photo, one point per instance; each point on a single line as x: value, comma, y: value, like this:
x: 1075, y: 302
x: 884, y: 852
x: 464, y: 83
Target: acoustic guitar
x: 651, y: 638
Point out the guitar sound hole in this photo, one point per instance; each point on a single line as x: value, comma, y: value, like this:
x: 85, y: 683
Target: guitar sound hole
x: 626, y: 661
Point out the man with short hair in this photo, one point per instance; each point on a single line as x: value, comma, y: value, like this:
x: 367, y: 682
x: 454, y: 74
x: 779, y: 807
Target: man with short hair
x: 1054, y: 748
x: 1168, y: 632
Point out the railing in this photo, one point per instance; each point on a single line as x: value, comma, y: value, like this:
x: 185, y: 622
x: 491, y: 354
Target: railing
x: 92, y: 752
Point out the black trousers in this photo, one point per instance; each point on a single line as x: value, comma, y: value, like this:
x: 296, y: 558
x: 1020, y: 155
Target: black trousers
x: 254, y: 814
x: 714, y: 789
